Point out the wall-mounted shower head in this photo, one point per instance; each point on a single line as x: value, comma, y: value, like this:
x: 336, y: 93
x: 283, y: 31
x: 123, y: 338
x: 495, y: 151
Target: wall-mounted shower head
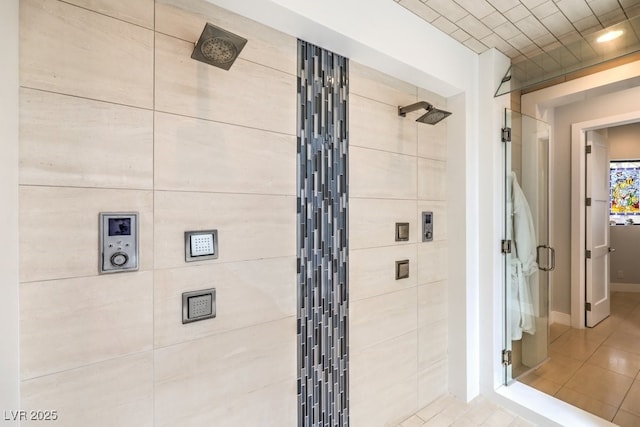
x: 431, y: 117
x: 218, y: 47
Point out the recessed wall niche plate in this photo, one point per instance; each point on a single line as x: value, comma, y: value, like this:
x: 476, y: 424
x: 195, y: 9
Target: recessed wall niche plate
x: 200, y: 245
x: 402, y: 269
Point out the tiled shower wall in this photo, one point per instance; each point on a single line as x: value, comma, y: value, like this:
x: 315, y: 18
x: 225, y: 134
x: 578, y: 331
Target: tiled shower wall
x: 116, y: 116
x: 398, y: 328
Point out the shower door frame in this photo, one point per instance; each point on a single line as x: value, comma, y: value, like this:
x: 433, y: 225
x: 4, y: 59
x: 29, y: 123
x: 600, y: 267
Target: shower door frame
x: 542, y: 220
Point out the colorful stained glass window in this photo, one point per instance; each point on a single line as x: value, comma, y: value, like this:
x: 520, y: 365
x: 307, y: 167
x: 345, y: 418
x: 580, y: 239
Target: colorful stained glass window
x: 625, y: 188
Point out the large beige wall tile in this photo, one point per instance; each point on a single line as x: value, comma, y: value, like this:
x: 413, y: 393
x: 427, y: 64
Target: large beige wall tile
x: 381, y: 318
x: 247, y: 293
x: 206, y: 379
x: 432, y: 141
x: 372, y: 271
x: 432, y: 262
x: 249, y: 94
x: 117, y: 392
x: 379, y: 174
x: 67, y: 49
x: 59, y: 229
x: 249, y: 226
x: 65, y: 324
x: 185, y: 19
x: 372, y: 222
x: 432, y: 179
x: 201, y: 155
x: 433, y: 383
x: 388, y: 407
x: 384, y: 375
x: 139, y: 12
x: 439, y: 218
x: 432, y: 302
x: 373, y: 124
x: 373, y: 84
x: 70, y: 141
x: 432, y: 344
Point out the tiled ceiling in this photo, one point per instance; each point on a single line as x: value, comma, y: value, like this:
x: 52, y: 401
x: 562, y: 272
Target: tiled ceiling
x: 521, y: 29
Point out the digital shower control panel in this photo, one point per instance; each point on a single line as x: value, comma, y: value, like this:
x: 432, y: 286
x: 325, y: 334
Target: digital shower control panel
x: 118, y: 241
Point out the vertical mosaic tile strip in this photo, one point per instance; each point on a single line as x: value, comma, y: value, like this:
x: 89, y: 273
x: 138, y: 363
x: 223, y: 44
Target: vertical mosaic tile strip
x: 323, y: 381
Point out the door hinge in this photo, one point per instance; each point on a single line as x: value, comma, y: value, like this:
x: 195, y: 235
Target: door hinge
x: 588, y: 149
x: 588, y: 201
x: 588, y: 254
x: 506, y: 246
x: 506, y: 357
x: 587, y: 306
x: 506, y: 134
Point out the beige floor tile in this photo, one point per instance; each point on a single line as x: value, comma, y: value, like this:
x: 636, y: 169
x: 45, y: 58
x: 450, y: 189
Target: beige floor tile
x: 499, y: 418
x: 414, y: 421
x: 435, y: 407
x: 626, y: 419
x: 624, y: 341
x: 481, y: 410
x: 631, y: 401
x: 608, y: 325
x: 545, y: 385
x: 587, y: 403
x: 464, y: 422
x: 600, y: 384
x: 616, y: 360
x: 578, y: 344
x: 556, y: 330
x: 558, y: 369
x: 521, y: 422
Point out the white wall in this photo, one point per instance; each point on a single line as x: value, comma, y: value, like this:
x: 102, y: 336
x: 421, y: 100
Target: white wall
x: 9, y: 314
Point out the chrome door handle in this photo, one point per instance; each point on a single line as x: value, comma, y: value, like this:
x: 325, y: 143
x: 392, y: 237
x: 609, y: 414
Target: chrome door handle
x: 552, y: 258
x: 612, y: 250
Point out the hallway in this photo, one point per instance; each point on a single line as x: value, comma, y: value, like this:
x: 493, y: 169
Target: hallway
x: 597, y: 369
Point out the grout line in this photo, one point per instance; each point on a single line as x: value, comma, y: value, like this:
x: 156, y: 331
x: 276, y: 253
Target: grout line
x: 153, y: 217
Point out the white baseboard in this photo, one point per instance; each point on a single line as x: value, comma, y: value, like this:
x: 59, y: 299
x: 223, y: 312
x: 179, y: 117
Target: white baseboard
x: 562, y: 318
x: 625, y: 287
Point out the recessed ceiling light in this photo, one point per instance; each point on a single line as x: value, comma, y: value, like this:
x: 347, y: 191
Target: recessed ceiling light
x: 609, y: 35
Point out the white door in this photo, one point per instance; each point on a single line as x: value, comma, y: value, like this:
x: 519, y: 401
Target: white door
x: 597, y: 230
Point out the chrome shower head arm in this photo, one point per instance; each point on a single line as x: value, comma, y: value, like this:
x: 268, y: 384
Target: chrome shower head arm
x: 402, y: 111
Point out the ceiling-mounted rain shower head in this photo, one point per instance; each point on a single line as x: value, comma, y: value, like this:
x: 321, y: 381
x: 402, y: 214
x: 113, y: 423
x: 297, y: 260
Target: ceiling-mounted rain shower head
x: 431, y: 117
x: 218, y: 47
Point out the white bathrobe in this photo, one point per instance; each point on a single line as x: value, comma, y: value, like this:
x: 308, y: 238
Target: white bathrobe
x: 523, y: 264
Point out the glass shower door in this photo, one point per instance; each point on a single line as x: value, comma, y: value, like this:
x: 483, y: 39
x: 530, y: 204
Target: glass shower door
x: 528, y: 256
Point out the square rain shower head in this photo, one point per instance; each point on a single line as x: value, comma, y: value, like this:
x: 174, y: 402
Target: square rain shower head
x: 218, y: 47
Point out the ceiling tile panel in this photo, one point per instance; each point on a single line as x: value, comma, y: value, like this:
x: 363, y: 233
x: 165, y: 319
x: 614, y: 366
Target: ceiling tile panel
x: 520, y: 41
x: 530, y: 4
x: 504, y: 5
x: 420, y: 9
x: 494, y: 19
x: 475, y: 45
x: 460, y: 35
x: 545, y: 9
x: 478, y: 8
x: 574, y: 10
x: 545, y: 41
x: 507, y: 30
x: 612, y: 18
x: 601, y: 7
x: 588, y: 25
x: 447, y: 8
x: 558, y: 24
x: 474, y: 27
x: 496, y: 41
x: 517, y: 13
x: 444, y: 25
x: 531, y: 27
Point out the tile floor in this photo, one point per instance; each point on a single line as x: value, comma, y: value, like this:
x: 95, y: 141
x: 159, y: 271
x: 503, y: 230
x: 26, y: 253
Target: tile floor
x: 449, y: 411
x: 597, y: 369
